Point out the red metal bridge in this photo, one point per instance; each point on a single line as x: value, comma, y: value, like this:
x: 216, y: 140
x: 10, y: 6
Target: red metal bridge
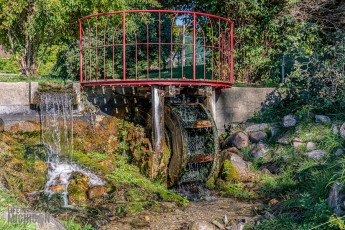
x: 156, y: 47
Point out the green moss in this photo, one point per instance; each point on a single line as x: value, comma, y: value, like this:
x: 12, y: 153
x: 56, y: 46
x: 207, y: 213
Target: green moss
x: 229, y: 172
x: 210, y: 183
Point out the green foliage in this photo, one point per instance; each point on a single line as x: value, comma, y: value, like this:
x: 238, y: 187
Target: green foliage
x: 9, y: 66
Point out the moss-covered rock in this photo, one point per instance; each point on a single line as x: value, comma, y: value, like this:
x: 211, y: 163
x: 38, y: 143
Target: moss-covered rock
x: 77, y: 189
x: 229, y: 172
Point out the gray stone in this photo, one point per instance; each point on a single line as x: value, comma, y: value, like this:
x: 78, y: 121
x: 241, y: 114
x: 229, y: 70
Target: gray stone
x: 311, y: 146
x: 2, y: 125
x: 335, y: 129
x: 201, y: 225
x: 316, y: 154
x: 274, y: 131
x: 322, y: 119
x: 226, y: 220
x: 339, y: 152
x: 259, y: 150
x: 336, y: 198
x: 257, y: 127
x: 235, y: 150
x: 289, y: 120
x: 266, y: 171
x: 297, y: 142
x: 238, y: 140
x: 257, y: 136
x: 342, y: 130
x: 218, y: 225
x: 284, y: 140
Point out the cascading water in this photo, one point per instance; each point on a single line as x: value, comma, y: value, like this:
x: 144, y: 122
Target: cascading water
x: 57, y: 135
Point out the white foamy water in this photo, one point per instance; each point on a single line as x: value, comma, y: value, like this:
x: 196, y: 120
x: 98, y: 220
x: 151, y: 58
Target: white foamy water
x: 60, y: 173
x: 57, y: 135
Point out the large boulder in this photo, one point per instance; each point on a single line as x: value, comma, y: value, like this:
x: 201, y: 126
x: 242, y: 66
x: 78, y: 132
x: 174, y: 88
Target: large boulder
x: 238, y: 140
x: 237, y: 163
x: 257, y: 127
x: 322, y: 119
x: 289, y: 120
x: 257, y: 136
x: 259, y: 150
x: 316, y: 154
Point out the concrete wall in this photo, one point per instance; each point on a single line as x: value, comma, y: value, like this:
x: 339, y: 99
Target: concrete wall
x: 237, y: 104
x: 16, y: 97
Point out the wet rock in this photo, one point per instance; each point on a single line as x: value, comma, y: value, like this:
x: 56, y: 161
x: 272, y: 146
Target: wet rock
x: 342, y: 130
x: 58, y: 188
x: 218, y: 225
x: 316, y: 154
x: 257, y: 136
x: 289, y: 120
x: 77, y: 189
x: 339, y: 152
x: 25, y: 126
x: 201, y: 225
x: 259, y: 150
x: 96, y: 192
x: 336, y: 198
x: 322, y: 119
x: 238, y: 140
x: 311, y: 146
x: 257, y: 127
x: 2, y: 125
x: 335, y: 129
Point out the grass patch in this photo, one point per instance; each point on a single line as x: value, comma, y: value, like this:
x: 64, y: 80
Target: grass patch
x: 44, y: 79
x: 130, y: 175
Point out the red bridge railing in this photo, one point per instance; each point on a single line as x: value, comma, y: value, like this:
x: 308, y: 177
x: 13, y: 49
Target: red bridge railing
x: 156, y: 47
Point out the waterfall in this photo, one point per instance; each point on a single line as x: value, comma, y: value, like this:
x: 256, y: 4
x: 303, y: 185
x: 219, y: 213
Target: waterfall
x: 56, y: 111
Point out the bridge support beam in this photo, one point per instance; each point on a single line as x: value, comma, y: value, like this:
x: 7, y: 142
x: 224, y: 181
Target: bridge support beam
x: 157, y: 127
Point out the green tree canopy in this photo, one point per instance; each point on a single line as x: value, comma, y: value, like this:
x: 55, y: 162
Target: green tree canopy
x: 29, y: 27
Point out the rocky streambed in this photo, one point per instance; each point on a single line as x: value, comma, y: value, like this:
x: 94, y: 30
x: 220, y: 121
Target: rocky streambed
x: 213, y: 213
